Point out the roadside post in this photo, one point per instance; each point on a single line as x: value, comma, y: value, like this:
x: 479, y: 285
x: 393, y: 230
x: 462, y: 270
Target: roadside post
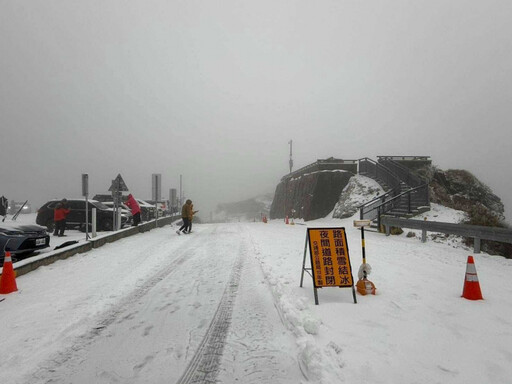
x: 364, y: 286
x: 118, y: 218
x: 329, y: 258
x: 173, y: 200
x: 85, y: 193
x: 93, y: 222
x: 156, y: 189
x: 117, y: 188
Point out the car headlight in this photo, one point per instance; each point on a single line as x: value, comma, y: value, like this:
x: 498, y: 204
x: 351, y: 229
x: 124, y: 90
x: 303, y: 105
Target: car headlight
x: 12, y: 233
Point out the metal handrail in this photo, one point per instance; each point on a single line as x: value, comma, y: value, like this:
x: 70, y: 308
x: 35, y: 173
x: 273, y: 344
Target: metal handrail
x: 317, y: 165
x: 403, y: 172
x: 404, y: 157
x: 370, y: 166
x: 388, y: 205
x: 375, y: 199
x: 408, y: 192
x: 390, y: 178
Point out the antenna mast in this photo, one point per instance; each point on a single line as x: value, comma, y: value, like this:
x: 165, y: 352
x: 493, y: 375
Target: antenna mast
x: 291, y: 160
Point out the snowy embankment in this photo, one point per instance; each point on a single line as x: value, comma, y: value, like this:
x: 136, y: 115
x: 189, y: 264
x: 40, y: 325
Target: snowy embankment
x: 417, y: 329
x: 140, y: 309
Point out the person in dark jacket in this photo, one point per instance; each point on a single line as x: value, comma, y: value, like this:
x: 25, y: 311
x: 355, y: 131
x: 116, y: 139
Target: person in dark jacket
x: 134, y: 208
x: 186, y: 216
x: 60, y: 213
x: 4, y: 204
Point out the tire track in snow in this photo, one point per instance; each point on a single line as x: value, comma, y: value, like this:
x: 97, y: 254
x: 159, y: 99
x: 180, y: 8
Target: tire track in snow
x: 259, y: 347
x: 112, y: 315
x: 204, y: 366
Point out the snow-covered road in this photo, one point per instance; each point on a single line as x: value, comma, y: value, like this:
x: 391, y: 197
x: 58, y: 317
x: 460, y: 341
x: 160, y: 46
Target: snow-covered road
x: 224, y: 304
x: 152, y: 308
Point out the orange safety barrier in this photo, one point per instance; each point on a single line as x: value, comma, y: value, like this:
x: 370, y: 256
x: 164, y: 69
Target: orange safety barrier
x: 365, y: 287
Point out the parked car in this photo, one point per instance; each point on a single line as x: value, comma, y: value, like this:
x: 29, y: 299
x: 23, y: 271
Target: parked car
x: 161, y: 206
x: 103, y: 197
x: 15, y: 206
x: 21, y: 239
x: 147, y: 211
x: 124, y: 209
x: 76, y: 217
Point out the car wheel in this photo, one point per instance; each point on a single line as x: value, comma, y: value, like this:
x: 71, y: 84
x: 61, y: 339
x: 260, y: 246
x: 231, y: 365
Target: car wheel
x: 107, y: 225
x: 50, y: 225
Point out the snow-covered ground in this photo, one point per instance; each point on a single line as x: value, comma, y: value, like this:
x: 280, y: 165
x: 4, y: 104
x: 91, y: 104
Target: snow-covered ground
x: 163, y: 308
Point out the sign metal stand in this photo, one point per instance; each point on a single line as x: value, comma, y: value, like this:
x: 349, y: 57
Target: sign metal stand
x: 329, y: 258
x: 85, y: 193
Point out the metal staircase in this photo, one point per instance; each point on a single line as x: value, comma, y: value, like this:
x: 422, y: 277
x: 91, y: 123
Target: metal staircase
x: 406, y: 194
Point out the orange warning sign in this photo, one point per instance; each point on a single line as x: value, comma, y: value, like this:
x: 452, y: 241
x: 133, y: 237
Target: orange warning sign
x: 330, y: 261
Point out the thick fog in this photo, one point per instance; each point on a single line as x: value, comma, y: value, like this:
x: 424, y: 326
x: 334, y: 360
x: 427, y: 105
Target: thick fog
x: 214, y: 90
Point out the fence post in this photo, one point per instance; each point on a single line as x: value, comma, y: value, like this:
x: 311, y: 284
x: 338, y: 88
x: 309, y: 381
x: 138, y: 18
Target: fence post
x: 477, y: 245
x: 93, y: 219
x: 423, y: 235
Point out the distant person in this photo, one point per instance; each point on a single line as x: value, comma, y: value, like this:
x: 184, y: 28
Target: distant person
x: 135, y: 209
x: 4, y: 204
x: 60, y: 213
x: 186, y: 216
x: 189, y: 229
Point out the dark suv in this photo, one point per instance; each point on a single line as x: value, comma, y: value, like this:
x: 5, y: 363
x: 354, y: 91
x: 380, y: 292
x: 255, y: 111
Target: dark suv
x: 76, y: 216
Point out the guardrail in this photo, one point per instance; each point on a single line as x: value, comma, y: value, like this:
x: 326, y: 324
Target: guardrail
x: 477, y: 232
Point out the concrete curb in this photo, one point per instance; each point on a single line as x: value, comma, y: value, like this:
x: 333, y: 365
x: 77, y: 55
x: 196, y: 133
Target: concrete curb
x: 25, y: 266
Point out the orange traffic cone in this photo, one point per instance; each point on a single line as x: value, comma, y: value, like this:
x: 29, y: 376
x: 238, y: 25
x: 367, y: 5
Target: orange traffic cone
x: 286, y: 220
x: 471, y: 289
x: 8, y: 280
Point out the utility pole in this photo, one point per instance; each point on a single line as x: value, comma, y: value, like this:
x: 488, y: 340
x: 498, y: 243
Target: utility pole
x: 291, y: 160
x: 286, y: 182
x: 181, y: 192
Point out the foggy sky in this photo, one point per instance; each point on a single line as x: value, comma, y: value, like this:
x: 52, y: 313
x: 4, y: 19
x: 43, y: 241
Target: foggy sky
x: 214, y: 90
